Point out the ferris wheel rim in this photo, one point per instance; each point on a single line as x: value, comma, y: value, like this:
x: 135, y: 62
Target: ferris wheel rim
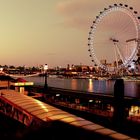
x: 125, y: 9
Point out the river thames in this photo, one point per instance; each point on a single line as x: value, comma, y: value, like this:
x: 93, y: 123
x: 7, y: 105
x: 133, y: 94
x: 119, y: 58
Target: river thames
x: 132, y: 88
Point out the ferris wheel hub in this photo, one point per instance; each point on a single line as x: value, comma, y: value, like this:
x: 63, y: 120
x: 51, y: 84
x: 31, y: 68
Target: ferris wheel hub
x: 114, y: 40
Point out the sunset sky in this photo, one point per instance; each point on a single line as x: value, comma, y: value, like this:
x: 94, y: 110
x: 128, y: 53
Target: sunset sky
x: 36, y: 32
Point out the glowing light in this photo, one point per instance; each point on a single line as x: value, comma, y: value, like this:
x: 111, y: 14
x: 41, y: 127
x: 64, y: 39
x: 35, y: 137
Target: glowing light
x: 57, y: 95
x: 132, y: 66
x: 90, y: 101
x: 24, y: 84
x: 1, y: 70
x: 42, y: 105
x: 45, y: 67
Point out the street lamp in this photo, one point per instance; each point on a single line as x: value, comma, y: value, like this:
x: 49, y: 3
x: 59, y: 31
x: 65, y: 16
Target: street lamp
x: 1, y: 70
x: 45, y: 70
x: 89, y: 101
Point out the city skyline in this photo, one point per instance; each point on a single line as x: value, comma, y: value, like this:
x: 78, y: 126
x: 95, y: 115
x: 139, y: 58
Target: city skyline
x: 36, y: 32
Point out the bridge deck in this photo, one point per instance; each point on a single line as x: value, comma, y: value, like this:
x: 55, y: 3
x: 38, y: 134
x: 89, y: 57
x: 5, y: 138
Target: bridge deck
x: 33, y: 108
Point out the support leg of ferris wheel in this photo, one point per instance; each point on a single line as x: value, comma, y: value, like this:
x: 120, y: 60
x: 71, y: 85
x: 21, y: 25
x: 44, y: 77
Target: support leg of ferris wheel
x: 120, y: 55
x: 115, y: 52
x: 116, y: 56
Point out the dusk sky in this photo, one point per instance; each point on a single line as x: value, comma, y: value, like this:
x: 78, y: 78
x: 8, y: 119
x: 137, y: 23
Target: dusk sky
x: 36, y: 32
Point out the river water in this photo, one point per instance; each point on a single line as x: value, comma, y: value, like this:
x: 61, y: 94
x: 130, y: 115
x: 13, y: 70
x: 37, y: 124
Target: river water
x: 132, y: 88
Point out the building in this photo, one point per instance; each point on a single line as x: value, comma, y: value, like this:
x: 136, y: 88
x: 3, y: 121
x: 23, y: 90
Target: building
x: 21, y: 85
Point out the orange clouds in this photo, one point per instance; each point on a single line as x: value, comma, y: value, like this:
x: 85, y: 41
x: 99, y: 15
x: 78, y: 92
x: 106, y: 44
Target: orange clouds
x: 79, y: 13
x: 76, y: 13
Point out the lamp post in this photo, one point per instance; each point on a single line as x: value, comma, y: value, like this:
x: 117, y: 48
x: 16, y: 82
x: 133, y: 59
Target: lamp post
x: 1, y: 70
x: 46, y: 75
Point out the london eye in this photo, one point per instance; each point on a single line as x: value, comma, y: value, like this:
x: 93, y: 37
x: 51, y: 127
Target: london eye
x: 113, y: 41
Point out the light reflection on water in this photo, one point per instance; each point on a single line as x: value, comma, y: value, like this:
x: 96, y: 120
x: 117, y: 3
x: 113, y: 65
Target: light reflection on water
x: 74, y: 84
x: 98, y: 86
x: 90, y: 85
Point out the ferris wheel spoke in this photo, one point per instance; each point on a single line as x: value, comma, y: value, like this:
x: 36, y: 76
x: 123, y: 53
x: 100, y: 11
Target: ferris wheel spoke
x: 124, y: 30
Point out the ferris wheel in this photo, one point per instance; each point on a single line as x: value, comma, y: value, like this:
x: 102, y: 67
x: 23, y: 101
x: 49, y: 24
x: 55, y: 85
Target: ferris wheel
x: 114, y: 37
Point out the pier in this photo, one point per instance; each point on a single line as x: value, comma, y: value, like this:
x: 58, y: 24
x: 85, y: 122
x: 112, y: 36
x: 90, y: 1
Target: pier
x: 37, y: 114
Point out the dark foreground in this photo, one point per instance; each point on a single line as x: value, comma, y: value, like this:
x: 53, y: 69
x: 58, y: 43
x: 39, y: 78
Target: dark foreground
x: 13, y: 130
x: 129, y: 128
